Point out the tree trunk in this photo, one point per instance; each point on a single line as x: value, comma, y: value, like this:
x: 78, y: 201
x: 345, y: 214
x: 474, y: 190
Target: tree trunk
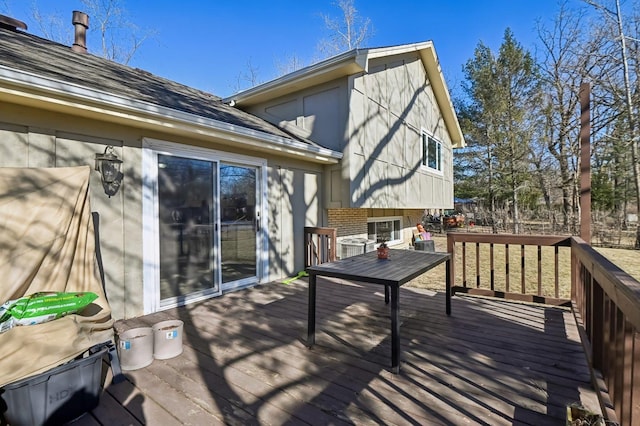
x: 630, y: 111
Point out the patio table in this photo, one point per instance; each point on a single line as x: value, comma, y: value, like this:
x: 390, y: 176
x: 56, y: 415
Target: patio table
x: 401, y: 266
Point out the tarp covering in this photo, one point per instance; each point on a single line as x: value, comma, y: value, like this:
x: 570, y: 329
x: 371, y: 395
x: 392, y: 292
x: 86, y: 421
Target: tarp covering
x: 47, y: 244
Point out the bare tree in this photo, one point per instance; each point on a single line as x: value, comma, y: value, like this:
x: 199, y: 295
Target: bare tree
x: 120, y: 38
x: 615, y: 15
x: 52, y: 26
x: 566, y: 60
x: 248, y: 78
x: 290, y: 64
x: 348, y: 32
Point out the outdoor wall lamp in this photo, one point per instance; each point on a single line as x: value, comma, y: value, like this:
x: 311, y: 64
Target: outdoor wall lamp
x: 109, y: 166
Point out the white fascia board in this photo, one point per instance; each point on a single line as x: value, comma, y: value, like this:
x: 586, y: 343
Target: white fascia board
x: 345, y: 63
x: 441, y: 91
x: 380, y: 52
x: 78, y: 97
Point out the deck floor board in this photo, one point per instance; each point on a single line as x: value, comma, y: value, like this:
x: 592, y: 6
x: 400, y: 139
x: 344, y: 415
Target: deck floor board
x: 492, y: 362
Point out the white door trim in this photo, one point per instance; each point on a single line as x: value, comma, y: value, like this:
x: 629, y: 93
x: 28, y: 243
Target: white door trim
x: 151, y: 252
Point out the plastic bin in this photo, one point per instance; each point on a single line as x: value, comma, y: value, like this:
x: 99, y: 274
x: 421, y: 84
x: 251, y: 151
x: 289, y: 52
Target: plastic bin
x: 167, y: 341
x: 135, y: 348
x: 56, y: 396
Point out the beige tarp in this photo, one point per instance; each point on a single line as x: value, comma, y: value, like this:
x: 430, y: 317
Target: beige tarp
x: 47, y: 244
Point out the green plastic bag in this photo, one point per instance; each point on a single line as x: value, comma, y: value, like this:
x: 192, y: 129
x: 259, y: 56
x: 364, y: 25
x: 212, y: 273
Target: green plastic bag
x: 42, y: 307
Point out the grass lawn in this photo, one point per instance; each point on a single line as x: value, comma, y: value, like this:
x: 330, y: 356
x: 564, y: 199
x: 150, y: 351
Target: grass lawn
x: 627, y: 260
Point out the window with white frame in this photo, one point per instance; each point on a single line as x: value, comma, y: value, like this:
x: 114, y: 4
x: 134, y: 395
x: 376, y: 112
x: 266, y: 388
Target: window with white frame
x: 384, y: 229
x: 431, y: 152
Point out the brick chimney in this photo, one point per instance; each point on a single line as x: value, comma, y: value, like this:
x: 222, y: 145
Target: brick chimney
x: 80, y: 21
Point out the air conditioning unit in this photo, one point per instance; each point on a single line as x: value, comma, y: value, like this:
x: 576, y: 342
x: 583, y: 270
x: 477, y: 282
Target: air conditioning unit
x: 354, y: 246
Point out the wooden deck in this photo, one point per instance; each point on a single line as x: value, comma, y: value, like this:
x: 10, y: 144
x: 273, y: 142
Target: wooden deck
x: 244, y: 362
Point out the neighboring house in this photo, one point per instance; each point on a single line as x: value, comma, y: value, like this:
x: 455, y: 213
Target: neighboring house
x: 389, y: 112
x: 215, y: 198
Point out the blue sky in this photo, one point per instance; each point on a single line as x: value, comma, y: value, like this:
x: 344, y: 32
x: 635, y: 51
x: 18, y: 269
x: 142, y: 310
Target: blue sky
x: 208, y: 44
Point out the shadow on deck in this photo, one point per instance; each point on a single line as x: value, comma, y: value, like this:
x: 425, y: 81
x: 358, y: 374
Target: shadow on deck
x: 244, y: 362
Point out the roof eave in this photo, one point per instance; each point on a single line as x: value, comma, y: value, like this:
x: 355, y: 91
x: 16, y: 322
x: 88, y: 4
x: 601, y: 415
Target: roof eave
x: 343, y: 65
x: 29, y: 89
x: 441, y: 92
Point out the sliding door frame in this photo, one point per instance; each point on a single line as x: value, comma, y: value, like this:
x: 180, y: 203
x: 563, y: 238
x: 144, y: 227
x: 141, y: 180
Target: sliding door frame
x: 150, y: 220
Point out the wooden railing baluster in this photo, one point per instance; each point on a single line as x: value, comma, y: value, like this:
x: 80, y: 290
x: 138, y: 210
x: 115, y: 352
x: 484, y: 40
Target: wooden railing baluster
x: 493, y: 275
x: 539, y: 270
x: 506, y: 268
x: 627, y: 384
x: 477, y: 265
x: 319, y: 245
x: 522, y: 271
x: 556, y: 263
x: 464, y: 264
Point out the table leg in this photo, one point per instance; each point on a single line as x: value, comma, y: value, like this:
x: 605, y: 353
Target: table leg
x: 448, y: 288
x: 311, y: 317
x: 386, y: 294
x: 395, y: 329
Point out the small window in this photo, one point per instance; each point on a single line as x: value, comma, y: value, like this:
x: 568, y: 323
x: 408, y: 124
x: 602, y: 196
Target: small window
x: 431, y: 153
x: 387, y: 228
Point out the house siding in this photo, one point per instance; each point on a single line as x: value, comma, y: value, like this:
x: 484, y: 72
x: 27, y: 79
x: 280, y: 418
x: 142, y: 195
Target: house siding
x: 292, y: 190
x: 390, y: 107
x: 31, y: 137
x: 318, y: 114
x: 376, y: 119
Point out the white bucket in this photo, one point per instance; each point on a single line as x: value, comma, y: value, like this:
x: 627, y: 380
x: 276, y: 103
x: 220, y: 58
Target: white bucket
x: 167, y: 341
x: 135, y: 348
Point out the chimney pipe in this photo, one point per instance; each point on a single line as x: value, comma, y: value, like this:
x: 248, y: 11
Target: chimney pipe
x: 80, y: 21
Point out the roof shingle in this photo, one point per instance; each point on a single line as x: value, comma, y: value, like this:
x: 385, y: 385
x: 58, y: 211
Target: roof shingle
x: 29, y: 53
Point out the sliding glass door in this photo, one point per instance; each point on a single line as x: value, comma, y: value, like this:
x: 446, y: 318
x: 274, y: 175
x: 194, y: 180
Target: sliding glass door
x: 203, y: 231
x: 240, y: 223
x: 186, y: 215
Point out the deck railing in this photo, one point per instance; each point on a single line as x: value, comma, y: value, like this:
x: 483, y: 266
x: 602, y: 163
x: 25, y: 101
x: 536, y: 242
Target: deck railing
x: 605, y: 301
x: 520, y: 267
x: 319, y: 245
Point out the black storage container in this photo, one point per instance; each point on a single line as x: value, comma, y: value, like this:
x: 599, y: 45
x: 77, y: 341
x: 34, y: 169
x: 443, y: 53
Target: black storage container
x: 58, y: 395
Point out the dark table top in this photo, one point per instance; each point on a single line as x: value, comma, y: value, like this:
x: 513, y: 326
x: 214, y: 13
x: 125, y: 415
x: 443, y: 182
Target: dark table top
x: 401, y: 266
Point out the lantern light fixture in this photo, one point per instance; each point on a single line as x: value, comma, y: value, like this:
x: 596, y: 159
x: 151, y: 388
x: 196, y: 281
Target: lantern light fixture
x: 109, y: 166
